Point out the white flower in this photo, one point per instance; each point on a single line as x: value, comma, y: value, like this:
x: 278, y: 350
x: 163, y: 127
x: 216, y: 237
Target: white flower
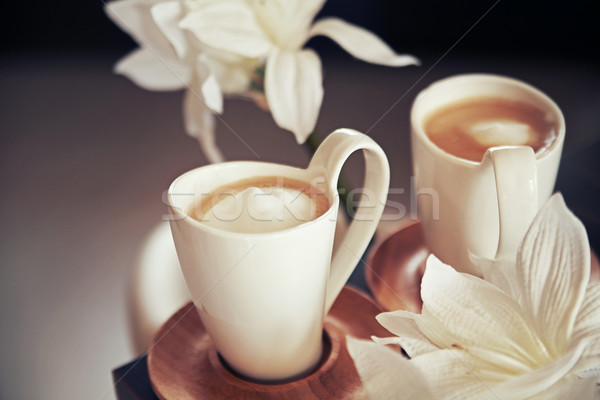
x: 170, y: 59
x: 276, y: 30
x: 215, y: 47
x: 531, y: 332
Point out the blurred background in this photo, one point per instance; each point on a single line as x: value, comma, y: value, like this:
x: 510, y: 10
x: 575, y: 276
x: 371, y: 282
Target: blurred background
x: 85, y: 155
x: 553, y: 30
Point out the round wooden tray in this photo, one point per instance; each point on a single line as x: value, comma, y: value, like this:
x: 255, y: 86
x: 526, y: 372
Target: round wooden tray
x: 184, y: 364
x: 395, y: 269
x: 396, y: 266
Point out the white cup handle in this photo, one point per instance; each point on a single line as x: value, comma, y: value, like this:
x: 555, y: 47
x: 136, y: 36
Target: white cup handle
x: 516, y: 185
x: 330, y: 157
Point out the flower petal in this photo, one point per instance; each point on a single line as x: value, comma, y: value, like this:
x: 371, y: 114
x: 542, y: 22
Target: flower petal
x: 151, y: 72
x: 537, y: 381
x: 410, y: 338
x: 500, y: 273
x: 294, y: 90
x: 361, y: 43
x: 209, y: 87
x: 199, y: 123
x: 167, y: 16
x: 228, y: 26
x: 553, y: 268
x: 212, y: 94
x: 233, y: 77
x: 272, y: 10
x: 463, y: 311
x: 455, y: 374
x: 286, y: 22
x: 571, y: 389
x: 587, y: 327
x: 386, y: 373
x: 134, y: 17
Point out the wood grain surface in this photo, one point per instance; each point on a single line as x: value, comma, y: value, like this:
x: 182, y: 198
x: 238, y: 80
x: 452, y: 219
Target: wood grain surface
x: 395, y: 268
x: 184, y: 364
x: 396, y: 265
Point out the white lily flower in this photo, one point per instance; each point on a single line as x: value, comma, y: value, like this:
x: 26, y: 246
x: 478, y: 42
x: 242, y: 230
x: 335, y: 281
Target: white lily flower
x: 531, y: 332
x: 276, y: 31
x: 168, y: 60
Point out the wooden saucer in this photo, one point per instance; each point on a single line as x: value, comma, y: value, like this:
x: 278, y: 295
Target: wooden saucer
x: 395, y: 268
x: 184, y: 364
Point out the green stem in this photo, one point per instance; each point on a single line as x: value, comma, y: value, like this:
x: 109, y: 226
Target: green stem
x: 312, y: 144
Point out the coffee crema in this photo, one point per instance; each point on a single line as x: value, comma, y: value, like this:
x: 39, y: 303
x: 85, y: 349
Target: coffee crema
x: 260, y: 205
x: 468, y: 128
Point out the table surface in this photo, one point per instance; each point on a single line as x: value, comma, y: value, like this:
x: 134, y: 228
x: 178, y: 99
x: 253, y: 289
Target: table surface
x: 132, y: 381
x: 85, y: 157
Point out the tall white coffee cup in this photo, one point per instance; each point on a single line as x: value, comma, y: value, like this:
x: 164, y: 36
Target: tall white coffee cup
x: 480, y: 209
x: 262, y: 296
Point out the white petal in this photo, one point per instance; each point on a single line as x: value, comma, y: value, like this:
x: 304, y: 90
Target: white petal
x: 593, y: 372
x: 286, y: 22
x: 167, y: 16
x: 294, y: 89
x: 134, y: 17
x: 588, y: 318
x: 587, y: 327
x: 401, y: 323
x: 303, y: 10
x: 233, y: 77
x: 395, y: 340
x: 571, y: 389
x: 209, y: 87
x: 361, y: 43
x: 230, y: 27
x: 455, y: 374
x: 500, y: 273
x: 199, y: 123
x: 151, y: 72
x: 505, y: 362
x: 537, y: 381
x: 212, y: 94
x: 553, y: 268
x: 385, y: 373
x: 465, y: 311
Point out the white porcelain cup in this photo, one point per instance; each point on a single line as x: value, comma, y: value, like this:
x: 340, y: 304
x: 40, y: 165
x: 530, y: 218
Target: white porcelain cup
x: 468, y: 209
x: 262, y: 296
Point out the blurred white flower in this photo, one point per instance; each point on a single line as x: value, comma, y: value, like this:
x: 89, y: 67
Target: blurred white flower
x: 216, y: 47
x: 531, y: 331
x: 171, y: 59
x: 276, y: 31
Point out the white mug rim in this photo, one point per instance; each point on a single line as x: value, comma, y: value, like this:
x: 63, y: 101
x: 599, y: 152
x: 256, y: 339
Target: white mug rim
x: 417, y: 128
x: 333, y: 204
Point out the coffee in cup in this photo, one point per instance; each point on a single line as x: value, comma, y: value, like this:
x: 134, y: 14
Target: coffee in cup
x: 261, y: 204
x: 467, y: 128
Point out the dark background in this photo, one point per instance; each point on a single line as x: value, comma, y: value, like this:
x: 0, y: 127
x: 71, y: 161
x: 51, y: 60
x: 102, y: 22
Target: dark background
x: 552, y: 30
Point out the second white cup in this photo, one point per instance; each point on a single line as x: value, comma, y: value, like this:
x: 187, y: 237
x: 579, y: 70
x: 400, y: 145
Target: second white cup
x: 481, y: 209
